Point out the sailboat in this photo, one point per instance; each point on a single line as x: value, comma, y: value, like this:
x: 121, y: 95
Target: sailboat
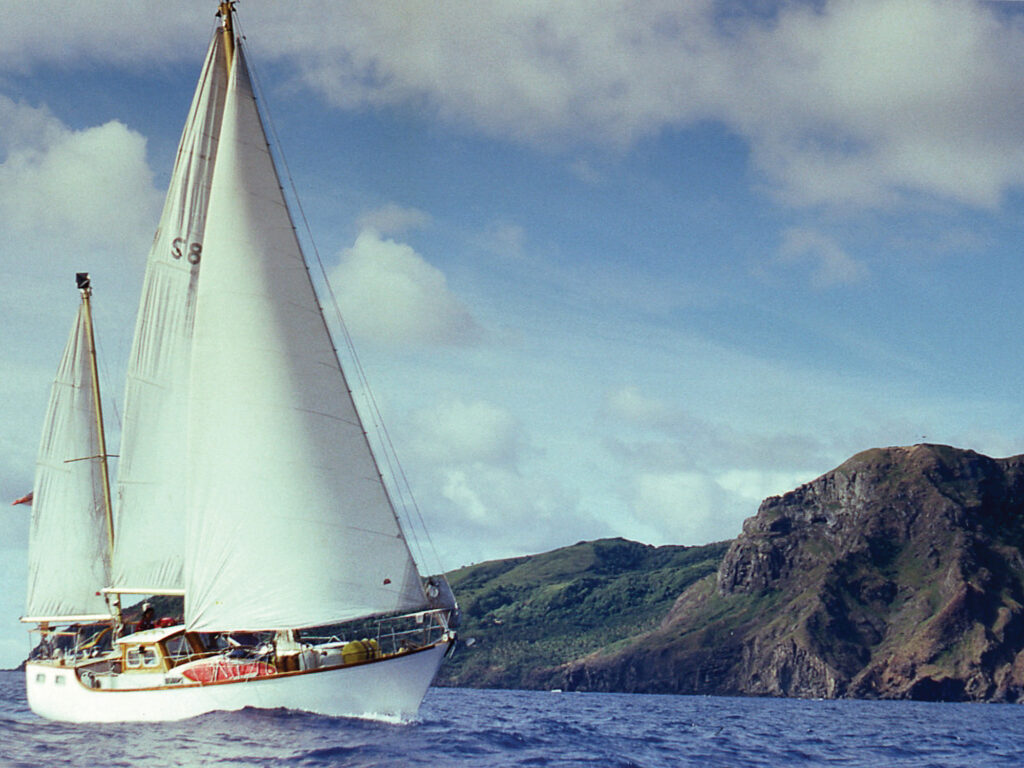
x: 246, y: 483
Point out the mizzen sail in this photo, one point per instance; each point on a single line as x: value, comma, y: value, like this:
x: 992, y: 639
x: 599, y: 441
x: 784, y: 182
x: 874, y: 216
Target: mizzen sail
x: 288, y: 521
x: 149, y: 551
x: 68, y: 534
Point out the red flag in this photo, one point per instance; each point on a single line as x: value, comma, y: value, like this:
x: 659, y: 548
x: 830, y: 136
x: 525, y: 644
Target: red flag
x: 26, y: 499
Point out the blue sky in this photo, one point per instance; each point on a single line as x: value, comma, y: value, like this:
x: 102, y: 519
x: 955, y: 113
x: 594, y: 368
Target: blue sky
x: 613, y: 269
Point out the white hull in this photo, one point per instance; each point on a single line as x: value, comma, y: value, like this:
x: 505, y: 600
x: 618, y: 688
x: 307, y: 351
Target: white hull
x: 390, y: 688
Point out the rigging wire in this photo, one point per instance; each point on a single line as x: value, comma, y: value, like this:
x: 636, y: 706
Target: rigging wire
x: 399, y: 480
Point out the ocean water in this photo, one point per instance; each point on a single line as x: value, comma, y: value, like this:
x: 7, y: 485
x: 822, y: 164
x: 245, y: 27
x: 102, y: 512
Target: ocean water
x: 529, y: 728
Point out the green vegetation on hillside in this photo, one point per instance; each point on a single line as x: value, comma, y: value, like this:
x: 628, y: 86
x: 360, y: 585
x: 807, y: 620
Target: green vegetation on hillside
x: 523, y: 615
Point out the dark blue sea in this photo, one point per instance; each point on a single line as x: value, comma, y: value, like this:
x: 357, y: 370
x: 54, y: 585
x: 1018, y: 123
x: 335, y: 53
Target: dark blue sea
x: 491, y: 729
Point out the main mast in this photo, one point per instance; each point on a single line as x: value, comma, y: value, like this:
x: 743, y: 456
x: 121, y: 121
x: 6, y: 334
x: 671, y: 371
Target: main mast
x: 85, y: 288
x: 226, y: 13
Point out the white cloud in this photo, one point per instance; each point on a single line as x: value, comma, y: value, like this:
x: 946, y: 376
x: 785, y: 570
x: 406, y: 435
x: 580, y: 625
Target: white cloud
x: 458, y: 490
x: 504, y: 512
x: 843, y: 102
x: 585, y: 171
x: 517, y: 70
x: 493, y: 487
x: 64, y: 33
x: 389, y: 293
x: 693, y: 507
x: 863, y: 101
x: 850, y: 102
x: 393, y: 219
x: 69, y: 200
x: 830, y: 264
x: 83, y: 187
x: 631, y: 405
x: 505, y: 240
x: 457, y: 432
x: 691, y: 480
x: 751, y: 487
x: 683, y: 508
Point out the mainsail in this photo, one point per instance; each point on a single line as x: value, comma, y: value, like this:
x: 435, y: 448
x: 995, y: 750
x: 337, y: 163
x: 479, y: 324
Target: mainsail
x: 68, y: 534
x: 149, y: 550
x: 288, y: 522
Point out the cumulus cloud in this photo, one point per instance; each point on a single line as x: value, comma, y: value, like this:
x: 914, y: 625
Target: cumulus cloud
x: 861, y: 102
x: 525, y: 71
x: 389, y: 293
x: 68, y: 198
x: 505, y: 512
x: 853, y: 102
x: 683, y: 507
x: 489, y: 489
x: 693, y: 507
x: 691, y: 480
x: 99, y: 31
x: 94, y: 181
x: 841, y: 102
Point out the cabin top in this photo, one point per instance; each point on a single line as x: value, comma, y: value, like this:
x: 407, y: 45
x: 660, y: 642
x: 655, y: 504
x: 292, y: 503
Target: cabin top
x: 155, y: 635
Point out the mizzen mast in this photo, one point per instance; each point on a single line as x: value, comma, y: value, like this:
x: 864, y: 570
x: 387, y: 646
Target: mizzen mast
x: 85, y: 288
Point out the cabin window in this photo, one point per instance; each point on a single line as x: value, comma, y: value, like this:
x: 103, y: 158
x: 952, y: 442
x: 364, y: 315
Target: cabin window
x: 59, y: 680
x: 149, y: 656
x: 178, y: 648
x: 41, y: 678
x: 212, y: 641
x: 132, y: 657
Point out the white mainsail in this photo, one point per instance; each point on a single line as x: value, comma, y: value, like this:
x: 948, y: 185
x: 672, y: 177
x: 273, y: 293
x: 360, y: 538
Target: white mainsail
x: 149, y: 550
x: 288, y: 522
x: 68, y: 534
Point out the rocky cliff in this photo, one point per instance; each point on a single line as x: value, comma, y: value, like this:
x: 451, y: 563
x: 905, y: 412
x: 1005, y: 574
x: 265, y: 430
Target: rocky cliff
x: 897, y: 575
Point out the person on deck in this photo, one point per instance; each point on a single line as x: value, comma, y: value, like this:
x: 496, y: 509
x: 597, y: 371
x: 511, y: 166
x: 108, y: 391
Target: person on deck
x: 146, y: 622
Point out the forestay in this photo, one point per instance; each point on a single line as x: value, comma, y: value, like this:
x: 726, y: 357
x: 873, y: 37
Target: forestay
x: 69, y: 528
x: 149, y: 550
x: 288, y: 521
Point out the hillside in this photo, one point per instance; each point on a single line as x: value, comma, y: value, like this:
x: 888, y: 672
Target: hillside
x: 897, y: 575
x: 526, y: 615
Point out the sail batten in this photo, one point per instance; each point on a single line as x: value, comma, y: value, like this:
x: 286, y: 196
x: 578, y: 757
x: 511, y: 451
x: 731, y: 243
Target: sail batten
x: 149, y: 548
x: 288, y: 522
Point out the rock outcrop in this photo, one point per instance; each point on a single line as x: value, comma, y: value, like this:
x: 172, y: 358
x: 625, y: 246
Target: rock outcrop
x: 897, y: 575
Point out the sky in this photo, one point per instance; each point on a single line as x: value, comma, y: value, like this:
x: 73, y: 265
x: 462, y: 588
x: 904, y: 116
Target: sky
x: 611, y: 268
